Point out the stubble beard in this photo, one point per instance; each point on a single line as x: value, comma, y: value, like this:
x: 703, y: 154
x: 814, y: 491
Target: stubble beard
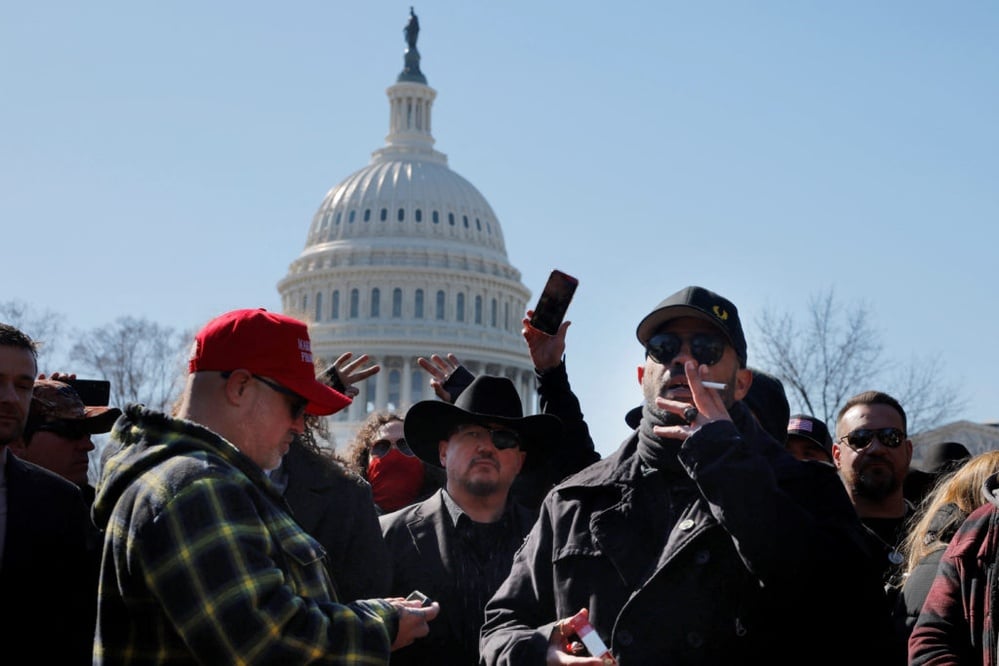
x: 479, y: 487
x: 876, y: 487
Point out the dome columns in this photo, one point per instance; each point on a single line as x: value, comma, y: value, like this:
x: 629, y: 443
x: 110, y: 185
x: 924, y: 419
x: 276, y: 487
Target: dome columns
x: 410, y: 106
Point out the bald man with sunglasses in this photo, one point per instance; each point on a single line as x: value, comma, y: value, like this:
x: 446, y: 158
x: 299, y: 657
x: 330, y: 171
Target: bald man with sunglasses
x: 203, y: 562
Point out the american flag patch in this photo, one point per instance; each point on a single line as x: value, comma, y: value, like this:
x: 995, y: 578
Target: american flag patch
x: 800, y: 424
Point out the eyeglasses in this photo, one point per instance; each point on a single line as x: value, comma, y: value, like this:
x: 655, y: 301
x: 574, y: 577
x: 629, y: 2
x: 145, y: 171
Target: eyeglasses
x: 296, y: 405
x: 72, y: 430
x: 382, y: 446
x: 502, y: 438
x: 861, y: 438
x: 706, y: 348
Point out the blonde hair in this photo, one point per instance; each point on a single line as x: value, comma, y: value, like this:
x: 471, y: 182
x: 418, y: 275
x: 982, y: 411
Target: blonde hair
x: 963, y: 488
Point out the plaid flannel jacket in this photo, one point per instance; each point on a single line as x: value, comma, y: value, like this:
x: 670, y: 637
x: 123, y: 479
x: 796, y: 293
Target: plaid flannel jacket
x: 203, y: 563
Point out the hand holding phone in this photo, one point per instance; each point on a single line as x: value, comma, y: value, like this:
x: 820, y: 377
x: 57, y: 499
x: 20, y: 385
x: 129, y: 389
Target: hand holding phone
x: 554, y: 302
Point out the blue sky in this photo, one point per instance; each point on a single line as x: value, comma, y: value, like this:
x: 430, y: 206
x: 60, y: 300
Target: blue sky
x: 164, y: 160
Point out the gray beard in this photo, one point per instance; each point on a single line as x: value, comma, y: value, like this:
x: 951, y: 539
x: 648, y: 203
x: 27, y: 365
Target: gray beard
x: 479, y: 488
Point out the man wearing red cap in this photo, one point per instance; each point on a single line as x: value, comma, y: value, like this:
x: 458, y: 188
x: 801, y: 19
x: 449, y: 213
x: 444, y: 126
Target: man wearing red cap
x: 202, y: 561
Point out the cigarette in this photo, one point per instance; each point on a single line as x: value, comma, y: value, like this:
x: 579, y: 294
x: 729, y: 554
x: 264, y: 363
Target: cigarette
x: 714, y: 385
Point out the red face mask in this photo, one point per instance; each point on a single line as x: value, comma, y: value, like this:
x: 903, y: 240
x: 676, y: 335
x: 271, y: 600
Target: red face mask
x: 395, y: 479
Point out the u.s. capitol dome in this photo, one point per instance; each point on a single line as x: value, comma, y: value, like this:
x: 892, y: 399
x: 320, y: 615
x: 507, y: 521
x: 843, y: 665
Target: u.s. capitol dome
x: 405, y: 258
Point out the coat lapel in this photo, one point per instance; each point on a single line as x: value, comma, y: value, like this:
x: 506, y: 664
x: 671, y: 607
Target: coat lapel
x: 430, y: 531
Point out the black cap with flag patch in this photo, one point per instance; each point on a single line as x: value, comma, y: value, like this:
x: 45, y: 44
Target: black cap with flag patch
x: 812, y: 429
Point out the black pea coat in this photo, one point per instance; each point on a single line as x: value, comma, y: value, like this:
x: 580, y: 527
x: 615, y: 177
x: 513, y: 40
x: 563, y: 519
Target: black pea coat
x: 335, y: 507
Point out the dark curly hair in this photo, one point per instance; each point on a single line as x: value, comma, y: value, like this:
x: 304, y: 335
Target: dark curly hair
x: 358, y: 453
x: 315, y: 425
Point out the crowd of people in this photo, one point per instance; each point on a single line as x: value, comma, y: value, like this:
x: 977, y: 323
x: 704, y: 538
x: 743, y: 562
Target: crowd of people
x: 463, y: 531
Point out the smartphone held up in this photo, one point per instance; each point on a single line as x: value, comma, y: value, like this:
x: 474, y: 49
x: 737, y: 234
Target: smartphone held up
x: 93, y: 392
x: 554, y: 302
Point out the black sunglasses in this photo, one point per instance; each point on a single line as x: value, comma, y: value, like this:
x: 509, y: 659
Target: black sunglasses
x: 382, y: 446
x: 66, y: 429
x: 861, y: 438
x: 502, y: 438
x: 706, y: 348
x: 296, y: 405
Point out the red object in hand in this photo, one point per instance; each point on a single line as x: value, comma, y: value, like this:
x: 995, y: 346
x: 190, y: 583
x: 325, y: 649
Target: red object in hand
x: 580, y: 625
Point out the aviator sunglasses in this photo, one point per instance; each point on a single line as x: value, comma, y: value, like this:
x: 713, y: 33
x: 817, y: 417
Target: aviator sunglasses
x: 707, y: 349
x: 72, y: 430
x: 861, y: 438
x: 382, y: 446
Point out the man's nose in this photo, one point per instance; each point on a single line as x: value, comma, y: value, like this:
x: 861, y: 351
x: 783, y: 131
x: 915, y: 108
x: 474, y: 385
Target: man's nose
x: 684, y: 354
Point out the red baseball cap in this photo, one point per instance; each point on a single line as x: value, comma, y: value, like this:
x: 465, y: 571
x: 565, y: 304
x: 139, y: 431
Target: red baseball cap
x: 269, y: 344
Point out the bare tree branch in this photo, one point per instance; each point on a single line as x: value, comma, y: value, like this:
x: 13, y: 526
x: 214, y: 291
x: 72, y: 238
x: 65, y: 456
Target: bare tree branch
x: 44, y: 327
x: 837, y: 354
x: 142, y: 359
x: 926, y: 400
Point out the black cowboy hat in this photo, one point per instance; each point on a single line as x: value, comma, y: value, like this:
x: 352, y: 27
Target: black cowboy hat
x: 487, y: 400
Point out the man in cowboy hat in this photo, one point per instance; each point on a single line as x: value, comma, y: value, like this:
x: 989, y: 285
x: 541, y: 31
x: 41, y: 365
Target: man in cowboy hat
x: 456, y: 546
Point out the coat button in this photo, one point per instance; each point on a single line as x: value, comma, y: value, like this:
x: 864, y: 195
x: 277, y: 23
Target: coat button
x: 702, y: 557
x: 695, y: 640
x: 624, y: 637
x: 686, y: 524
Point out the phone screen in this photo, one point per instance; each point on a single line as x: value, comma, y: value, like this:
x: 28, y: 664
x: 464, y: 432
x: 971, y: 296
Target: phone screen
x: 554, y: 302
x: 93, y: 392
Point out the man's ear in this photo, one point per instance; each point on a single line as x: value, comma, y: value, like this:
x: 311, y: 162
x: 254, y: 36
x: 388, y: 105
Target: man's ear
x: 835, y: 455
x: 442, y: 452
x: 641, y: 374
x: 743, y: 380
x: 236, y: 385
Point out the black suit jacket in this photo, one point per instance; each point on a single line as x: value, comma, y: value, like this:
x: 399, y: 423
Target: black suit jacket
x: 48, y: 600
x: 335, y: 506
x: 417, y: 538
